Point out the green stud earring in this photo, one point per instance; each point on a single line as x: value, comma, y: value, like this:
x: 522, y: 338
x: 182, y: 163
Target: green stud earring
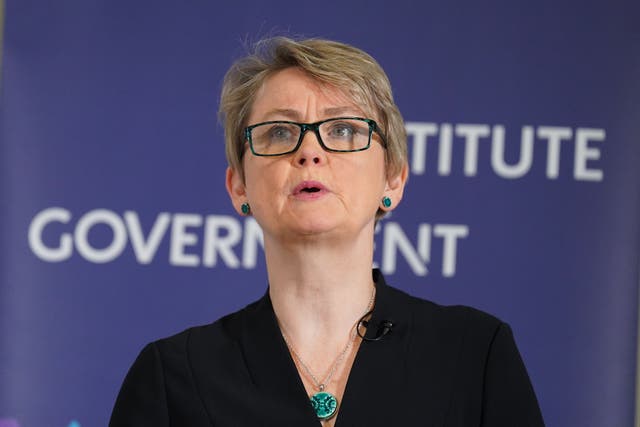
x: 245, y: 208
x: 386, y: 202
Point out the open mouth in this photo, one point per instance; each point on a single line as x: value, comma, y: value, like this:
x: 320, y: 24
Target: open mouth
x: 310, y: 190
x: 309, y: 187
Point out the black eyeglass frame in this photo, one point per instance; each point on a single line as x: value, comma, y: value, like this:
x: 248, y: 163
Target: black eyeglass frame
x: 315, y: 127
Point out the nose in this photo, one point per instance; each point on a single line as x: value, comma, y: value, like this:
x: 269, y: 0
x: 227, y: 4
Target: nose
x: 310, y: 151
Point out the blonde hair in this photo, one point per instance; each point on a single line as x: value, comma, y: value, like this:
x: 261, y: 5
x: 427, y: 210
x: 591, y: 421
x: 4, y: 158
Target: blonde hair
x: 340, y: 65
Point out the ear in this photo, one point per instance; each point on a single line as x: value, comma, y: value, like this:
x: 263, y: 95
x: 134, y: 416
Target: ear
x: 395, y: 188
x: 236, y: 189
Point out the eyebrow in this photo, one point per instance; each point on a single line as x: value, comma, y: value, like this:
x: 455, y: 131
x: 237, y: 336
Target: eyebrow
x: 343, y: 111
x: 327, y: 112
x: 286, y: 112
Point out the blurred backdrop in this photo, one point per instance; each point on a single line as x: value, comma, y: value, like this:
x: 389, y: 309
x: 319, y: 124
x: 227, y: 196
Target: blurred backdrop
x: 523, y: 198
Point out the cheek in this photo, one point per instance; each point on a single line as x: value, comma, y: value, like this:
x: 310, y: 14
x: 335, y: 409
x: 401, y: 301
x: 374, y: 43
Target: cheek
x: 251, y: 180
x: 371, y: 174
x: 365, y: 183
x: 263, y: 183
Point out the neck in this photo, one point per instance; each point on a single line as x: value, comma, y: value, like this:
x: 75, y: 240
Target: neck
x: 319, y: 291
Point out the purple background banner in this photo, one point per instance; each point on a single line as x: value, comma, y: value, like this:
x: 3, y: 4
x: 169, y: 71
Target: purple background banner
x: 523, y: 198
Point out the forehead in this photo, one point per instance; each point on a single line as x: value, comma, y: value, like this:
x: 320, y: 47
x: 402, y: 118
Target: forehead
x: 297, y: 95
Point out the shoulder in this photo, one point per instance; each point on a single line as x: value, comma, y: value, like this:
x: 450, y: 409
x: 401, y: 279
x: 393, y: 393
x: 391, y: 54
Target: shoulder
x: 430, y: 320
x: 220, y: 335
x: 455, y: 320
x: 473, y: 355
x: 169, y: 374
x: 463, y: 335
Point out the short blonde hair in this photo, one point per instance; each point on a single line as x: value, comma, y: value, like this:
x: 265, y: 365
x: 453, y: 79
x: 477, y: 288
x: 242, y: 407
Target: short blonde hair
x: 340, y: 65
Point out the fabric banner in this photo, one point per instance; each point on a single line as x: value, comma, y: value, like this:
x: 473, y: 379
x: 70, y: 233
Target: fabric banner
x: 523, y: 200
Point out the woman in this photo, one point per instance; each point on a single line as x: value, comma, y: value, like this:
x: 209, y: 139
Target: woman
x: 317, y: 154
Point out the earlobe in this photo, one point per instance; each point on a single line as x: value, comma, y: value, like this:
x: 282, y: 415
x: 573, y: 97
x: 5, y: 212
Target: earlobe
x: 236, y: 189
x: 395, y: 189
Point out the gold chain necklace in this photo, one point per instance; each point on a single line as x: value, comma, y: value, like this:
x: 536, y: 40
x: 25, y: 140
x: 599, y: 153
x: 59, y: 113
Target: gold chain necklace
x: 324, y: 403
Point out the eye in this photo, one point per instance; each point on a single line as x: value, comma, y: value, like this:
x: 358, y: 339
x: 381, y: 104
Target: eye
x: 280, y: 133
x: 342, y: 130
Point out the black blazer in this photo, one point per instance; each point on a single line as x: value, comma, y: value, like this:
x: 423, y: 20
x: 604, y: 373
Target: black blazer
x: 439, y: 366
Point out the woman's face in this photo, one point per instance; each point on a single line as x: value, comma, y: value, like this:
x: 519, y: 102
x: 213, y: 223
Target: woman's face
x: 311, y: 192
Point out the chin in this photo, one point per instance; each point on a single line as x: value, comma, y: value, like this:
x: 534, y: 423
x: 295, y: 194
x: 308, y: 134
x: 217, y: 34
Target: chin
x: 325, y: 228
x: 314, y: 228
x: 310, y: 225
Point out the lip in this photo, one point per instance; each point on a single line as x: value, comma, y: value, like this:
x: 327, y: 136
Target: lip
x: 309, y: 190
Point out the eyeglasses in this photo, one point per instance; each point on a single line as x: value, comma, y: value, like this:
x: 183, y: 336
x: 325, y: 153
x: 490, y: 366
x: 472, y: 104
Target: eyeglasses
x: 340, y: 134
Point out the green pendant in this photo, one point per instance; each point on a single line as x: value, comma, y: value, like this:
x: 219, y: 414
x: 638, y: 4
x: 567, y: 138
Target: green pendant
x: 325, y: 404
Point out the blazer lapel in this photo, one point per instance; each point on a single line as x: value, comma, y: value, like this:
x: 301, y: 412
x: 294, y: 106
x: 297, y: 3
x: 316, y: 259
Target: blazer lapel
x: 272, y: 370
x: 382, y: 389
x: 378, y: 369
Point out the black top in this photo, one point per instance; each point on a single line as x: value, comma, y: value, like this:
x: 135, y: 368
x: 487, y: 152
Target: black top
x: 438, y: 366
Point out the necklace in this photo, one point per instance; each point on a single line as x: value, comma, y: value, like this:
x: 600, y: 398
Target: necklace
x: 324, y: 403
